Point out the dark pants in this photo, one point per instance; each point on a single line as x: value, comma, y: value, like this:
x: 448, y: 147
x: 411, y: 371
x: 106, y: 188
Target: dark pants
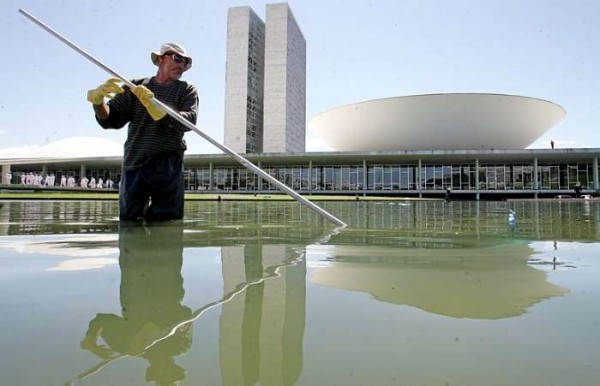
x: 154, y: 191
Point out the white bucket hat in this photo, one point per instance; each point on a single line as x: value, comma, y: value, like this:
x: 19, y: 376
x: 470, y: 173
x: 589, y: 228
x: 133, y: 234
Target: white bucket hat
x: 171, y: 47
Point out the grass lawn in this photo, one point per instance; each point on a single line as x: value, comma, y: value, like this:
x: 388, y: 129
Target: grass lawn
x: 70, y: 195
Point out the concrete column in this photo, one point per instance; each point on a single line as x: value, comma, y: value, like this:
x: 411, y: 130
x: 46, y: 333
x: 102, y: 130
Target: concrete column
x: 82, y: 172
x: 477, y: 194
x: 310, y: 187
x: 365, y: 176
x: 419, y: 186
x: 260, y: 179
x: 536, y: 180
x: 5, y: 170
x: 595, y: 173
x: 211, y: 185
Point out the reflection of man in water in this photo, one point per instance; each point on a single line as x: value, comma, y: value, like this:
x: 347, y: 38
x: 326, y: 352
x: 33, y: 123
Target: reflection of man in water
x: 151, y: 295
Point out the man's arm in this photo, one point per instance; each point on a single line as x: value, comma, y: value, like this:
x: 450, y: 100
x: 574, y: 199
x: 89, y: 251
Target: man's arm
x: 188, y: 109
x: 102, y: 111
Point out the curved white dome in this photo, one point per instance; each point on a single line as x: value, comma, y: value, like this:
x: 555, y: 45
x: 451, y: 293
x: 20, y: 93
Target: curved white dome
x: 81, y: 147
x: 465, y: 121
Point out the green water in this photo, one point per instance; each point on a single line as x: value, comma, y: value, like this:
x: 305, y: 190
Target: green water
x: 268, y: 293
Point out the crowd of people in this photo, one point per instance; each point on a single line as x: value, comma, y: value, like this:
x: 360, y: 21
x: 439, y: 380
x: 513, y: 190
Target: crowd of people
x: 38, y: 179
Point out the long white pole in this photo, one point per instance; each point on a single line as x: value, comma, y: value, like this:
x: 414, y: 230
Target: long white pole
x: 191, y: 126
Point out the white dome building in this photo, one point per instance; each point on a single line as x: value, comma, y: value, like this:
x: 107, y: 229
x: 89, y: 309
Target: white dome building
x: 457, y: 121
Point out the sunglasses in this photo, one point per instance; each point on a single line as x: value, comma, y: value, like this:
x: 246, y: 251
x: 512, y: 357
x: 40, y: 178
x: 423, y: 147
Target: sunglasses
x: 178, y: 58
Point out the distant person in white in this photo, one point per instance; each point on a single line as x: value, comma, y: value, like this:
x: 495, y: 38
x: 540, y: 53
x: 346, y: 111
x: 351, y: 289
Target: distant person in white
x: 84, y: 182
x: 71, y: 182
x: 63, y: 180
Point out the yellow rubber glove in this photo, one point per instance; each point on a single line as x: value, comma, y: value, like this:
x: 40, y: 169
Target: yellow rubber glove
x: 107, y: 89
x: 145, y: 96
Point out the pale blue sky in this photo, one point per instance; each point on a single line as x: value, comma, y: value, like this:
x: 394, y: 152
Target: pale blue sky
x: 356, y: 50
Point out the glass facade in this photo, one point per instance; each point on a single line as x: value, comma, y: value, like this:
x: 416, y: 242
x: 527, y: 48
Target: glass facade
x: 398, y: 178
x: 364, y: 177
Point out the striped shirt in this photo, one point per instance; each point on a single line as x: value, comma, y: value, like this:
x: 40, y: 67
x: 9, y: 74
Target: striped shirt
x: 146, y: 137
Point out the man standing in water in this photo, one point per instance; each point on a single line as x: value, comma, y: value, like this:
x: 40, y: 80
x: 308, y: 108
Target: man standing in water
x: 152, y: 185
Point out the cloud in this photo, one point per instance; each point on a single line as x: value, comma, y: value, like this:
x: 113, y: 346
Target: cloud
x: 83, y: 252
x: 77, y: 246
x: 67, y: 148
x: 84, y: 264
x: 76, y: 147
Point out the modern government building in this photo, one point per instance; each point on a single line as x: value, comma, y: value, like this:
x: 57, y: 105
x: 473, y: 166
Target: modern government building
x: 415, y: 146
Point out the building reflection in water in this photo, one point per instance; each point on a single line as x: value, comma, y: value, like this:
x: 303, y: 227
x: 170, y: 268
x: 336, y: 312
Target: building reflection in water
x: 491, y: 282
x: 545, y: 219
x: 261, y: 332
x: 262, y: 320
x: 4, y: 219
x: 151, y: 294
x: 454, y: 259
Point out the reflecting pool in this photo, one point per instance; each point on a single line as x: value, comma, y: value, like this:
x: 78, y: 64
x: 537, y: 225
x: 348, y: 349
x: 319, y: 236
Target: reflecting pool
x: 268, y: 293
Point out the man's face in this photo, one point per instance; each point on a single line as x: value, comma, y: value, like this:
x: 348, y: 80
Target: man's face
x: 172, y: 65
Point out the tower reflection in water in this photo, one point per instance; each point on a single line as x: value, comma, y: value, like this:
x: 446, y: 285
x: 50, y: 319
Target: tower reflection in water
x: 261, y: 332
x: 261, y: 324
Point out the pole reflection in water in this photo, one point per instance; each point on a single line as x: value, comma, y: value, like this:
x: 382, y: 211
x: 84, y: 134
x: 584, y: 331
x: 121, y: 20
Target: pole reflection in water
x: 151, y: 294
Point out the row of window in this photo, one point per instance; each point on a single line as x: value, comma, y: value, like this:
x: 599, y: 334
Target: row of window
x: 374, y: 178
x: 396, y: 177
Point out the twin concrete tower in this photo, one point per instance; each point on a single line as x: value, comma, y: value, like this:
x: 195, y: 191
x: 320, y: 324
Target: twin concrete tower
x: 265, y: 92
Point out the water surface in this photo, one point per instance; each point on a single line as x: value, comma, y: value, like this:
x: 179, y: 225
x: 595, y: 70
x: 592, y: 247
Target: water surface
x: 243, y: 293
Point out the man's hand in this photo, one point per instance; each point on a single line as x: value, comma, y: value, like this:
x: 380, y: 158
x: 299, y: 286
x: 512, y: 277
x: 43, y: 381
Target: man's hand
x: 145, y: 96
x: 107, y: 89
